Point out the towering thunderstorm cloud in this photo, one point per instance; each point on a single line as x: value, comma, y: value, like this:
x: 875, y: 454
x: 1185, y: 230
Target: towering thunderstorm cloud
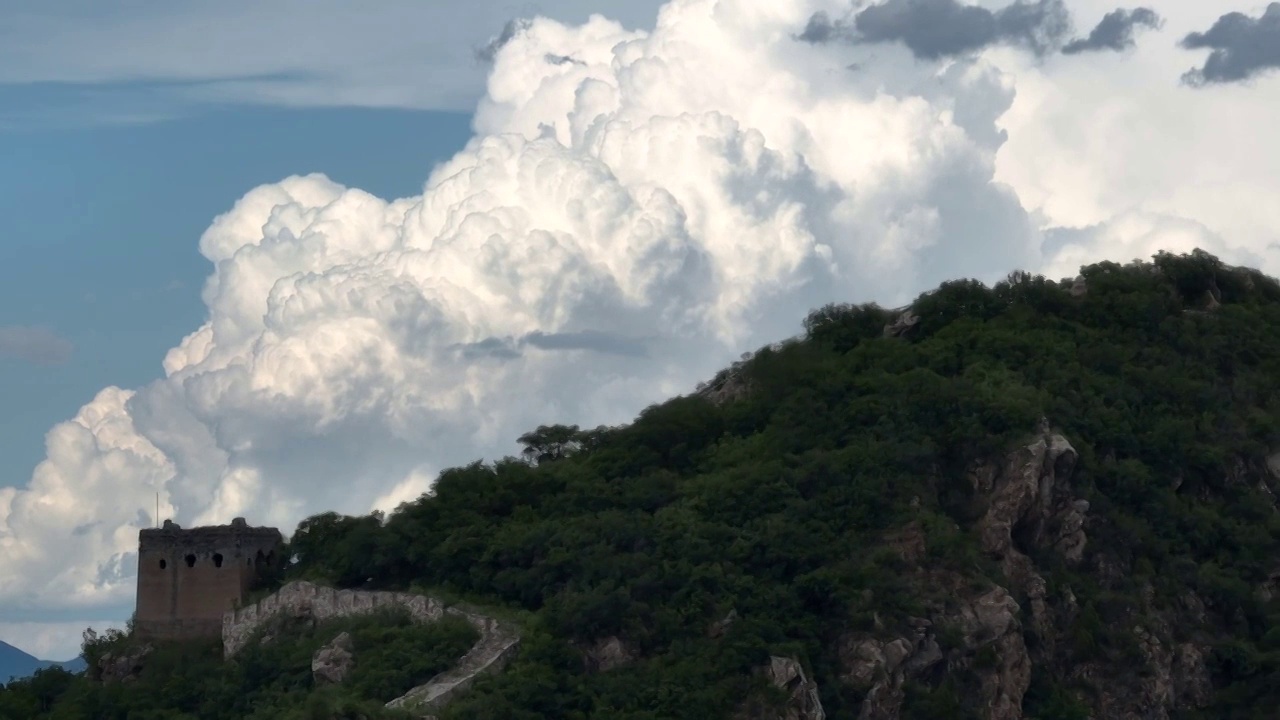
x: 635, y: 210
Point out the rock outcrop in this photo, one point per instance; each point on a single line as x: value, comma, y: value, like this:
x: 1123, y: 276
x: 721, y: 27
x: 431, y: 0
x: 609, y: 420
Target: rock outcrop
x: 122, y: 666
x: 1027, y: 506
x: 1168, y: 674
x: 333, y: 662
x: 988, y: 621
x: 802, y: 701
x: 1270, y: 588
x: 1079, y: 287
x: 905, y: 322
x: 721, y: 626
x: 607, y: 654
x: 1030, y: 505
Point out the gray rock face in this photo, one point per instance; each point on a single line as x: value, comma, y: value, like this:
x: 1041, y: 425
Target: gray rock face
x: 721, y: 626
x: 995, y: 616
x: 607, y: 654
x: 731, y: 388
x: 123, y: 666
x: 802, y: 702
x: 881, y: 667
x: 1175, y: 675
x: 1269, y: 483
x: 1030, y: 504
x: 1031, y: 495
x: 1026, y: 505
x: 1079, y: 287
x: 901, y: 325
x: 333, y: 662
x: 909, y: 542
x: 1273, y: 465
x: 1270, y: 588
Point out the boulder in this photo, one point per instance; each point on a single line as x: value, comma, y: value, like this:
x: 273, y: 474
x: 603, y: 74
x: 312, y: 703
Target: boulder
x: 607, y: 654
x: 123, y: 666
x: 904, y: 323
x: 333, y: 663
x: 721, y: 626
x: 1079, y: 287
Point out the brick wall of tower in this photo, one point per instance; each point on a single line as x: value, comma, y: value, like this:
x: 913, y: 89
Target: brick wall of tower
x: 187, y: 579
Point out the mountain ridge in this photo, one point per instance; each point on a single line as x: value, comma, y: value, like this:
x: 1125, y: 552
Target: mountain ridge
x: 1039, y: 499
x: 16, y: 663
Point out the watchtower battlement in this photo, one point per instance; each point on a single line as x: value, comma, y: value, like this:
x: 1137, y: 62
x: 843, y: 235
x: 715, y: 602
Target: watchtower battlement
x: 187, y: 578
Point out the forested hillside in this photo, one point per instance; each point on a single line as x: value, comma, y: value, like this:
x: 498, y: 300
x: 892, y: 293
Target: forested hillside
x: 1041, y: 499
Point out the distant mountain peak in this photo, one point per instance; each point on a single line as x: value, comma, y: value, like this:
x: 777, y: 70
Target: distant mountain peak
x: 16, y: 663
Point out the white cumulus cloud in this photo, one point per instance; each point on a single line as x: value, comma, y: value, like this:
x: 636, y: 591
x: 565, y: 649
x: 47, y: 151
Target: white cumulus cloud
x: 635, y: 209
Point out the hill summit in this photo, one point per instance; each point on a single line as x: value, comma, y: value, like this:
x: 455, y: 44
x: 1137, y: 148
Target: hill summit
x: 1038, y: 499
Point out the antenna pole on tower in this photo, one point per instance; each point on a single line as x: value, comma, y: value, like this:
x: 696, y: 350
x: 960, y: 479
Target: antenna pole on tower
x: 157, y: 517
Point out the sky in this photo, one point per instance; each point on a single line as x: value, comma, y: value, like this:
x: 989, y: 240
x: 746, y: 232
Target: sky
x: 273, y: 259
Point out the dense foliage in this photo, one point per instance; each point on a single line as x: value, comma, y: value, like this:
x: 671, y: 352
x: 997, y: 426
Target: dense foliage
x: 775, y: 504
x: 272, y: 680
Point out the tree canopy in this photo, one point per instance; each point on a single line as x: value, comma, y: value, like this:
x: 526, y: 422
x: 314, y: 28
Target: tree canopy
x: 773, y: 507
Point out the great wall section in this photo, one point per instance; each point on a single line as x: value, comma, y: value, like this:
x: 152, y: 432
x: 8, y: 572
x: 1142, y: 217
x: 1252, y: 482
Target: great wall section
x: 300, y: 599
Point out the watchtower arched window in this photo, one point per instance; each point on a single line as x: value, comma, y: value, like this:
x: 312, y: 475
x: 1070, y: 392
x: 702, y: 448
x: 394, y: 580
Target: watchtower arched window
x: 163, y: 564
x: 217, y: 559
x: 191, y: 560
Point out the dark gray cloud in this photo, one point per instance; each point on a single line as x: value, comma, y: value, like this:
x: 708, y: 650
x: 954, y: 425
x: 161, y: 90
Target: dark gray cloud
x: 489, y: 349
x: 1115, y: 31
x: 821, y: 29
x: 1040, y: 26
x: 508, y: 348
x: 587, y: 340
x: 555, y: 59
x: 934, y: 29
x: 81, y: 530
x: 513, y: 28
x: 1243, y: 47
x: 36, y: 345
x: 509, y: 32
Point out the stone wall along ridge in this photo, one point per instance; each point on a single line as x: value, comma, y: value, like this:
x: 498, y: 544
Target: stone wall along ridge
x: 497, y: 644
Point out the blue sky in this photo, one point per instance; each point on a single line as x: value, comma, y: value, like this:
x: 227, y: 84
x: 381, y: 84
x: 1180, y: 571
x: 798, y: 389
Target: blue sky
x: 642, y: 201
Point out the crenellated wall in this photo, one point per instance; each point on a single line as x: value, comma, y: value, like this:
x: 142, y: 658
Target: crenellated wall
x: 497, y: 644
x: 304, y: 599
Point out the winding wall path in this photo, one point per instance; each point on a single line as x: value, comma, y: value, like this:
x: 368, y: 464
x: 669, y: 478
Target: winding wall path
x: 497, y: 644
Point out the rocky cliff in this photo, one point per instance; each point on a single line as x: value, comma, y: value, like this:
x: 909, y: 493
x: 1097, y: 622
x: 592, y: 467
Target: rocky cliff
x: 1000, y: 633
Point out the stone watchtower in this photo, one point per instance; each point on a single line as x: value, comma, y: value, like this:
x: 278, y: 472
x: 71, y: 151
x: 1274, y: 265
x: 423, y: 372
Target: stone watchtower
x: 188, y: 578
